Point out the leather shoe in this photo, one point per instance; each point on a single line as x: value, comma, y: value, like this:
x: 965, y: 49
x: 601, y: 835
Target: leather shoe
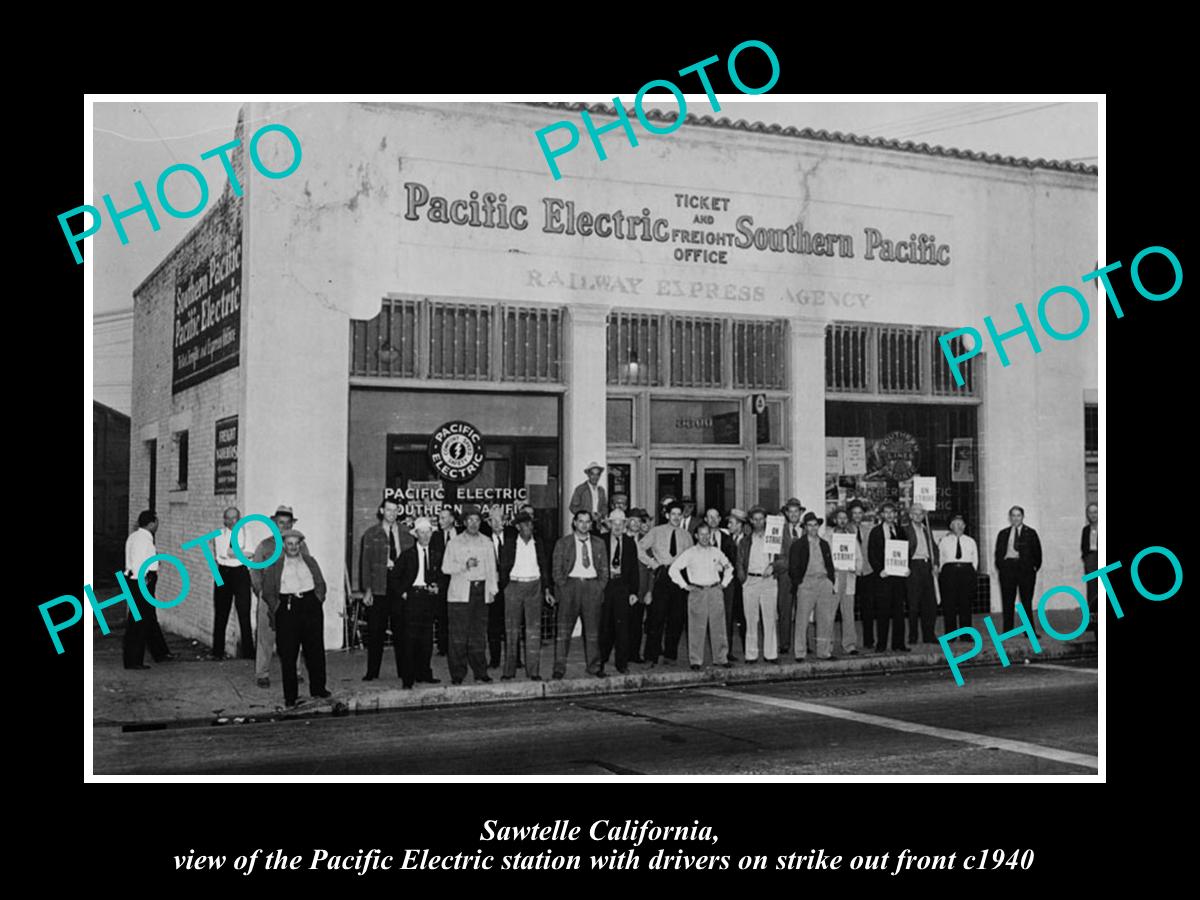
x: 264, y: 682
x: 139, y: 666
x: 322, y: 694
x: 852, y: 653
x: 457, y: 681
x: 506, y: 678
x: 408, y: 687
x: 368, y: 678
x: 290, y: 703
x: 486, y: 679
x: 636, y: 659
x: 558, y: 676
x: 903, y: 649
x: 535, y: 677
x: 725, y: 665
x: 695, y: 668
x: 601, y: 674
x: 430, y: 680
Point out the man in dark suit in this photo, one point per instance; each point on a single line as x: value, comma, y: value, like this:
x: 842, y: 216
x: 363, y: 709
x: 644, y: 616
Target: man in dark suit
x: 527, y: 579
x: 447, y: 528
x: 637, y: 523
x: 580, y: 568
x: 620, y: 593
x: 889, y: 589
x: 726, y: 542
x: 501, y: 534
x: 382, y: 545
x: 786, y: 597
x: 419, y: 583
x: 922, y: 563
x: 1089, y: 544
x: 1018, y: 557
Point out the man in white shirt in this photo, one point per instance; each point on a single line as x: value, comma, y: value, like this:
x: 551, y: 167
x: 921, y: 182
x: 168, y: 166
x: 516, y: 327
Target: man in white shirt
x: 470, y: 561
x: 709, y: 572
x: 139, y: 547
x: 418, y: 585
x: 293, y: 589
x: 759, y: 590
x: 958, y: 578
x: 526, y: 580
x: 234, y: 590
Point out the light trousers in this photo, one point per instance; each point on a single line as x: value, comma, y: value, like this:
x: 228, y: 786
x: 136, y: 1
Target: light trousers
x: 761, y: 603
x: 844, y: 588
x: 706, y: 619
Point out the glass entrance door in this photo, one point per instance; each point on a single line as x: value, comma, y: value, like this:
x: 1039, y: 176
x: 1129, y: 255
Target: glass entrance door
x: 719, y: 484
x: 675, y: 478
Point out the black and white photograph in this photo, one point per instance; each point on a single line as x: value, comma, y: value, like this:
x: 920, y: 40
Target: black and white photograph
x: 542, y: 438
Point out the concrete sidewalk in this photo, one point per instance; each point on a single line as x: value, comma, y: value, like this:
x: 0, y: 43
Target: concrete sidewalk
x: 193, y: 688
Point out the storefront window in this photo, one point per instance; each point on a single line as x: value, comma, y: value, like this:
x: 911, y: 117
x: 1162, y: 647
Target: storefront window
x: 769, y: 483
x: 695, y: 421
x: 620, y: 421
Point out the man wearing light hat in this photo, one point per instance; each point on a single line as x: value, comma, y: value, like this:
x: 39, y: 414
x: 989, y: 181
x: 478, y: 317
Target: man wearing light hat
x: 294, y: 591
x: 589, y: 496
x: 417, y: 587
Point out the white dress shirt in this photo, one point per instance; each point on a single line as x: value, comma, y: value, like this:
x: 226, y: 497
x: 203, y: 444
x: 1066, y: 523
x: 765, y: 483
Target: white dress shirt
x: 595, y: 489
x: 525, y: 563
x: 422, y: 553
x: 580, y: 570
x: 139, y: 547
x: 225, y: 556
x: 297, y: 578
x: 706, y: 567
x: 948, y: 546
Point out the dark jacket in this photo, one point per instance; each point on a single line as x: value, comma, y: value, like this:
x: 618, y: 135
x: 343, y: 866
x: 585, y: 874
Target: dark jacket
x: 1029, y: 546
x: 564, y: 559
x: 629, y: 563
x: 911, y: 529
x: 875, y: 544
x: 408, y: 564
x: 1085, y: 542
x: 781, y: 562
x: 508, y: 558
x: 438, y: 542
x: 581, y: 498
x: 798, y: 560
x: 273, y: 575
x: 372, y: 562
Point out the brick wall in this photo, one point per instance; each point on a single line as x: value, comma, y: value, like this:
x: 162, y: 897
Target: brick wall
x: 183, y: 514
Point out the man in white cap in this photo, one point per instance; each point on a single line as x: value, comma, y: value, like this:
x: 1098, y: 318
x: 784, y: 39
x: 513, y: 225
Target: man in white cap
x: 589, y: 496
x: 418, y: 584
x: 264, y: 637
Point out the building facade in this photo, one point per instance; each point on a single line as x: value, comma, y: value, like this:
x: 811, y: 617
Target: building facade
x: 736, y: 314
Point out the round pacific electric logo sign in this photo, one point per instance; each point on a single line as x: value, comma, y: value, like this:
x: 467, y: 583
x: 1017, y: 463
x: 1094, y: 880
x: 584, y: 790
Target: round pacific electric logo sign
x: 456, y: 451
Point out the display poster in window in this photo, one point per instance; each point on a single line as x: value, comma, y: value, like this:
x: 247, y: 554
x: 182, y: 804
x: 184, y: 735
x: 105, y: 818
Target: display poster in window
x: 536, y: 475
x: 843, y: 547
x: 854, y: 456
x: 895, y: 558
x: 831, y: 486
x: 873, y: 493
x: 925, y: 491
x: 833, y: 456
x: 226, y: 462
x: 962, y: 467
x: 774, y: 534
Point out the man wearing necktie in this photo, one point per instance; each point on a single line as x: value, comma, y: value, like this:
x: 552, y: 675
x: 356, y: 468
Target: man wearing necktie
x: 922, y: 562
x: 958, y: 577
x: 1018, y: 557
x: 382, y: 545
x: 234, y: 589
x: 419, y: 584
x: 889, y: 590
x: 867, y: 580
x: 580, y: 574
x: 500, y: 534
x: 446, y: 531
x: 668, y: 604
x: 786, y: 598
x: 620, y: 593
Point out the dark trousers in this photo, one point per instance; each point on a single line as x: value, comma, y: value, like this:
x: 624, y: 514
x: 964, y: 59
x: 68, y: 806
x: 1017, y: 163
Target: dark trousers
x: 139, y: 634
x: 418, y: 611
x: 636, y: 622
x: 384, y: 613
x: 614, y: 624
x: 495, y: 630
x: 889, y: 612
x: 300, y: 625
x: 234, y: 591
x: 578, y: 598
x: 958, y: 584
x: 440, y: 628
x: 865, y: 587
x: 667, y: 613
x: 467, y: 632
x: 786, y: 600
x: 735, y: 614
x: 922, y: 602
x: 1016, y: 577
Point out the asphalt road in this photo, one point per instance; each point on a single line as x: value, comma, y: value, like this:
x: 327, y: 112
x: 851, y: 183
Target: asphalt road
x: 913, y: 723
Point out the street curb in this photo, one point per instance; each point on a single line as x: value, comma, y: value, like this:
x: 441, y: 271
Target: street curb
x: 658, y: 679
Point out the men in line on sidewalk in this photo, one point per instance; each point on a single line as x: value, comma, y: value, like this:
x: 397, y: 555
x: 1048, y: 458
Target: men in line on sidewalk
x: 957, y: 578
x: 294, y: 592
x: 581, y: 572
x: 890, y: 591
x: 708, y: 571
x: 638, y: 525
x: 379, y: 577
x: 448, y: 529
x: 756, y: 571
x: 418, y: 586
x: 922, y: 563
x: 786, y: 593
x: 139, y: 633
x: 845, y: 583
x: 668, y: 604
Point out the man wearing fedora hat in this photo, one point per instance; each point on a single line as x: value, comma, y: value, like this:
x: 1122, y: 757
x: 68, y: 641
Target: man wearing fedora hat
x: 589, y: 496
x: 810, y: 570
x: 786, y: 598
x: 294, y: 591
